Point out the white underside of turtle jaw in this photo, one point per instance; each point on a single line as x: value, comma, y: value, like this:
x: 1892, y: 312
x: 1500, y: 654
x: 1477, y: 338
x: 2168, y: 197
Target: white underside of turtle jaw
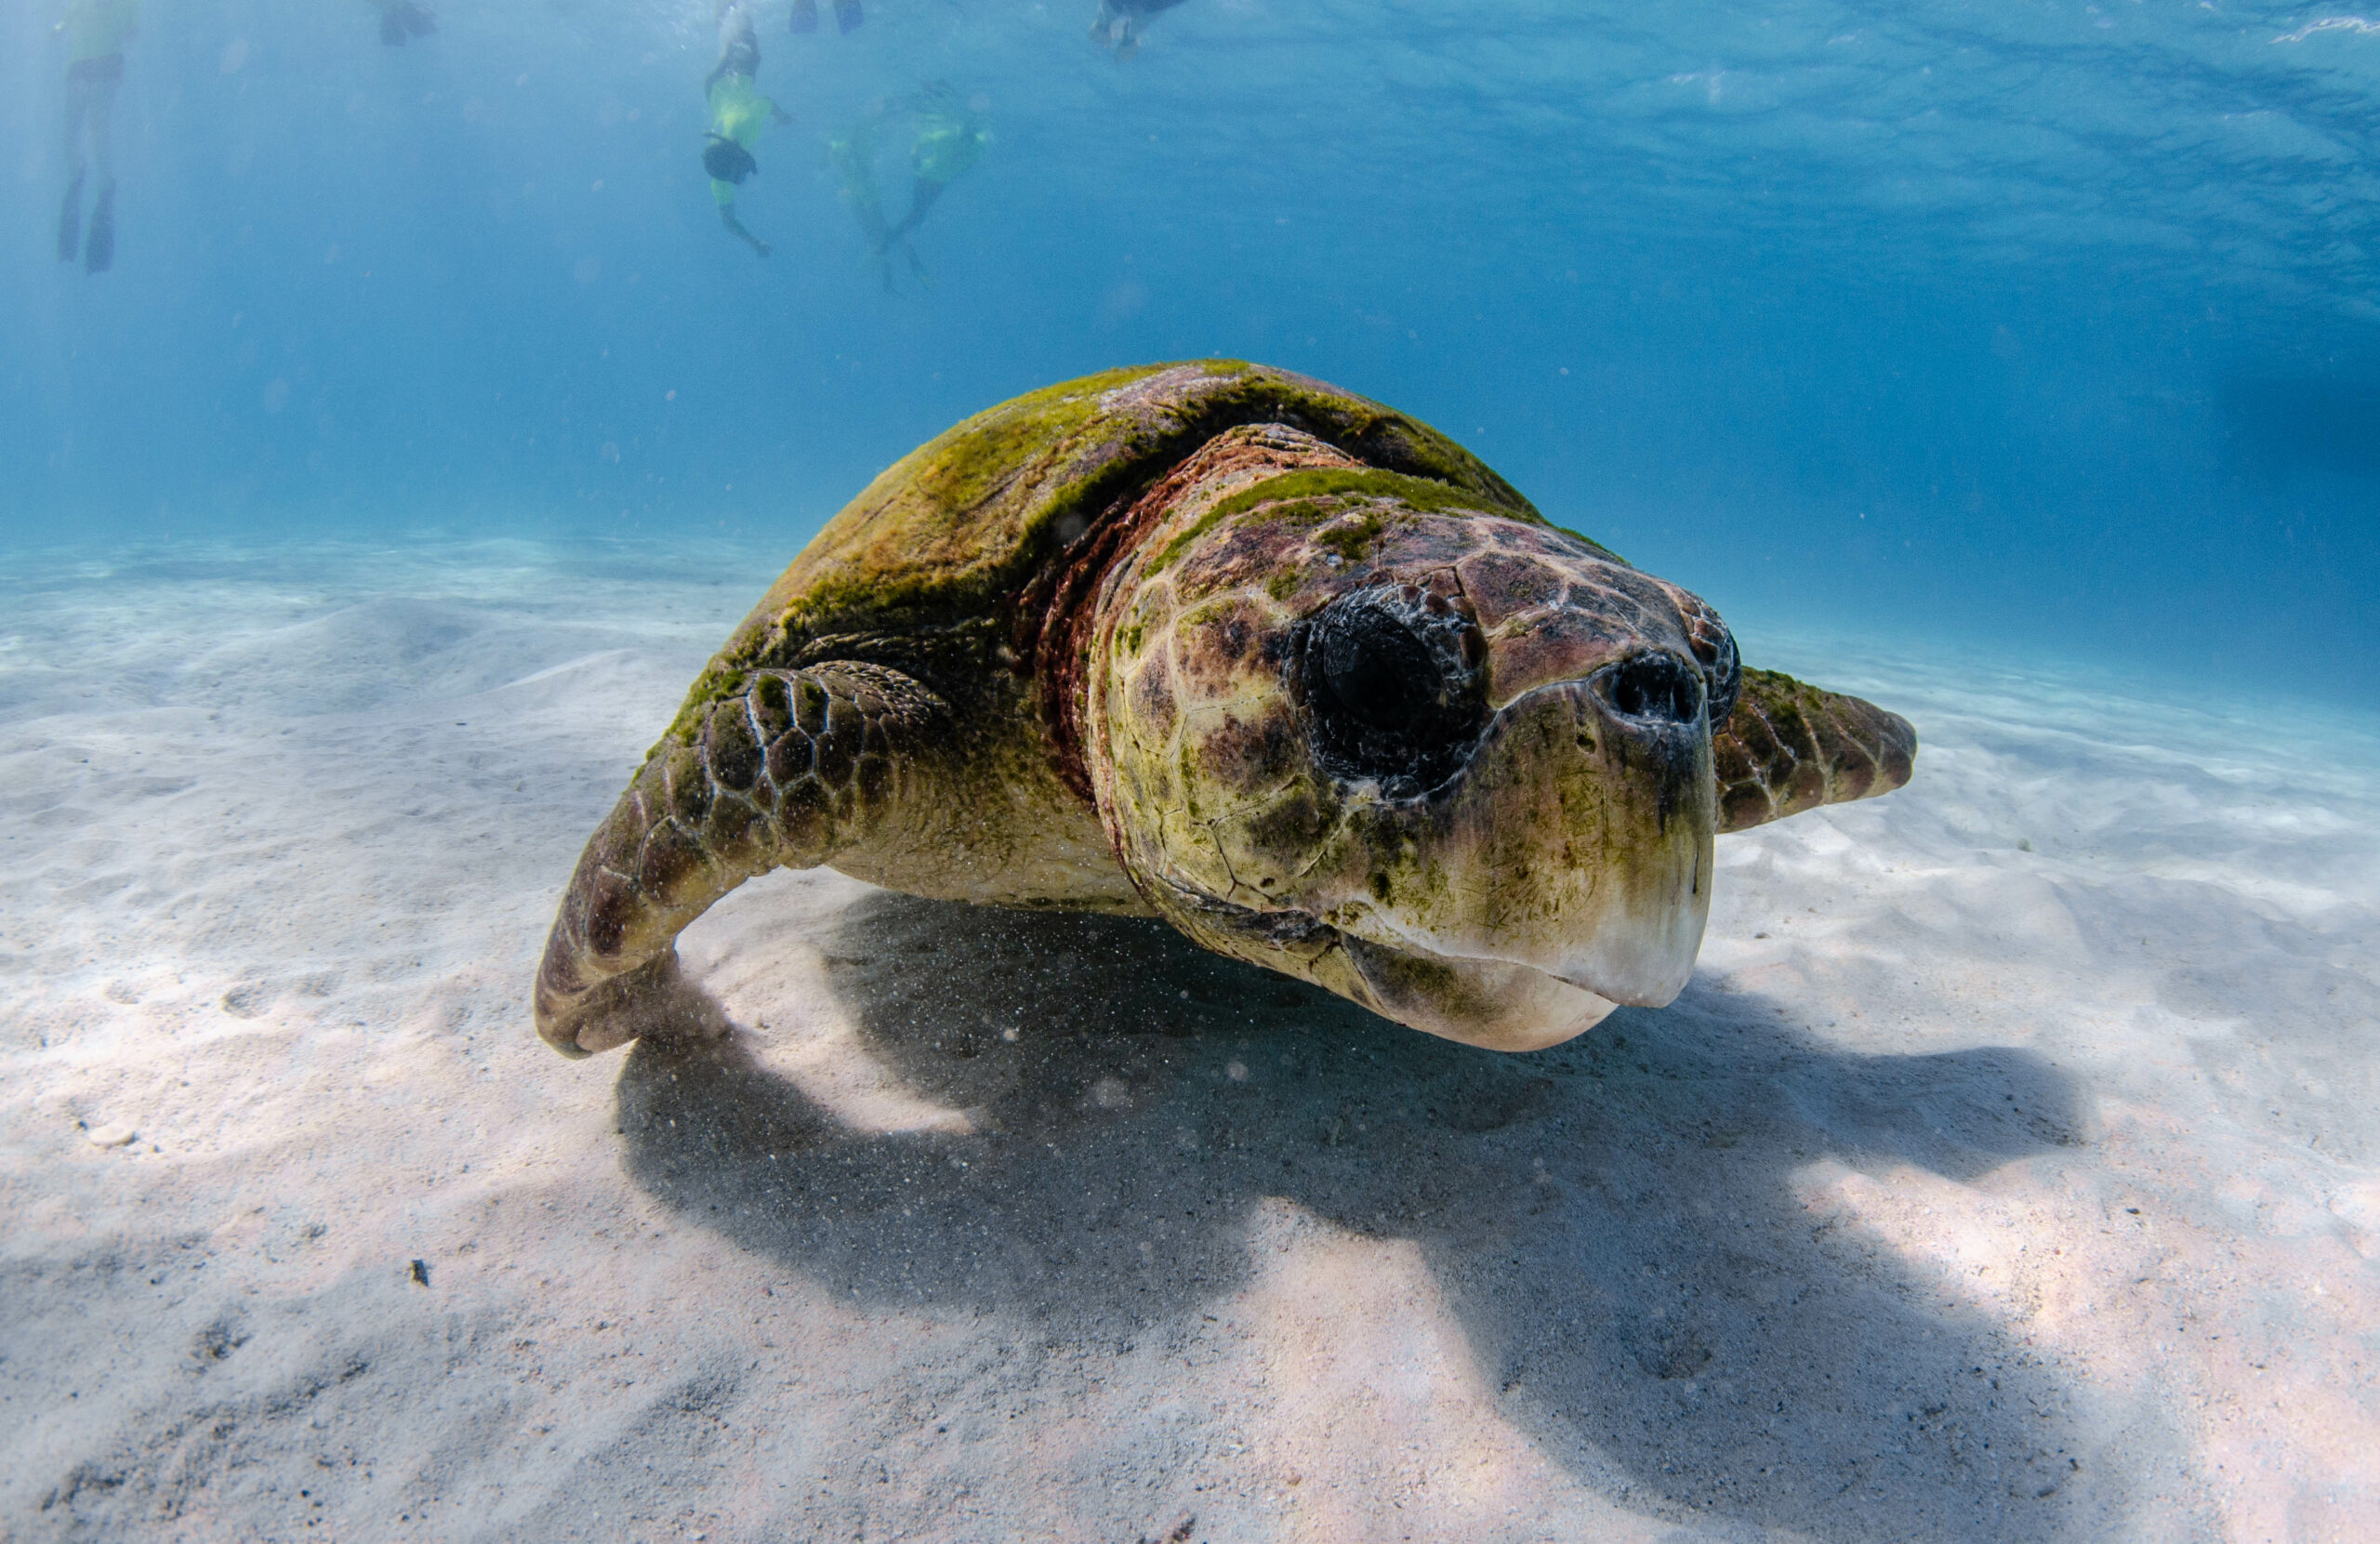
x: 1493, y: 1004
x: 1640, y: 958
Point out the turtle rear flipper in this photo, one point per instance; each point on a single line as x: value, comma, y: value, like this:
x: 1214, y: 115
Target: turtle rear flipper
x: 1790, y: 746
x: 784, y: 772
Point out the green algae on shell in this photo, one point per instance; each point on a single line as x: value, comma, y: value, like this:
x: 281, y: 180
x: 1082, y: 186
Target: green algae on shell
x: 959, y: 528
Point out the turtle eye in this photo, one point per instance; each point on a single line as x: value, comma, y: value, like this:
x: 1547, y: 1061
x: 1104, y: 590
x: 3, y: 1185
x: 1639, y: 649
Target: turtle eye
x: 1378, y: 672
x: 1387, y: 677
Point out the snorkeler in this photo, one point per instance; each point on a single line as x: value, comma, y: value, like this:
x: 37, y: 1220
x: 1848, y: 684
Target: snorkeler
x: 401, y: 19
x: 947, y: 138
x: 948, y: 141
x: 738, y: 113
x: 852, y: 155
x: 805, y: 17
x: 1118, y: 27
x: 96, y: 31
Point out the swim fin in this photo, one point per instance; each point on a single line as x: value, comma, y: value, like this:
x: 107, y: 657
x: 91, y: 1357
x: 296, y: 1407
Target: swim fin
x: 99, y: 247
x: 804, y: 18
x: 70, y: 222
x: 847, y: 14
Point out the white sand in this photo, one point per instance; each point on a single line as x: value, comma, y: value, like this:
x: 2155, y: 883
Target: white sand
x: 1974, y: 1189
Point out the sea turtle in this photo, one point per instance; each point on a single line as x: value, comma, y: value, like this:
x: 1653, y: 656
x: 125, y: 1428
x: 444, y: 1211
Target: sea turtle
x: 1222, y: 643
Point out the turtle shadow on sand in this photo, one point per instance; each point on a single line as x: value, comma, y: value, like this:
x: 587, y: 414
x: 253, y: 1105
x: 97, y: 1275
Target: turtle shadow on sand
x: 1613, y: 1221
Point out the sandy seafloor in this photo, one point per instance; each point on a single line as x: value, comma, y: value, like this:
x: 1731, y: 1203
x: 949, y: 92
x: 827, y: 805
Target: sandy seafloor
x: 2010, y: 1170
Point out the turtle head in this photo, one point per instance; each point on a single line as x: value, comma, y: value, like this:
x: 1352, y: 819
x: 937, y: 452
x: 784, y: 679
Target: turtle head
x: 1452, y: 763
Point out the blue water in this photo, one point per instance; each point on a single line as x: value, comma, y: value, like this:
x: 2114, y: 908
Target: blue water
x: 2047, y: 324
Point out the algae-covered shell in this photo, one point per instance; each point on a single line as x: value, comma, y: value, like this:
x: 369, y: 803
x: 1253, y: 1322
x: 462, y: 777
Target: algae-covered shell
x: 959, y: 530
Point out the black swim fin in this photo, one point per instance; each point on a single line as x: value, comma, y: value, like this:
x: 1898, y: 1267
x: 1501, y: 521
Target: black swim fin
x: 847, y: 14
x: 99, y: 247
x: 70, y: 222
x: 804, y: 18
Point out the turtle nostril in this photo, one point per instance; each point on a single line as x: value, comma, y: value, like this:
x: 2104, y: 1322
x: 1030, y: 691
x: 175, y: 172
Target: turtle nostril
x: 1656, y: 687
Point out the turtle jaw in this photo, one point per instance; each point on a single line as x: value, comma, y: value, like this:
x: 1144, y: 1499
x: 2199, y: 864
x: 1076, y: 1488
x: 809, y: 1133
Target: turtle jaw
x: 1575, y: 845
x: 1496, y: 1005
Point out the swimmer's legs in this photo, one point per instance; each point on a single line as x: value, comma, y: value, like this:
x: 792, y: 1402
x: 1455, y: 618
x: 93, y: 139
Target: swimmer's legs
x: 99, y: 248
x: 102, y: 129
x: 90, y: 101
x: 79, y: 92
x: 70, y: 220
x: 1114, y: 30
x: 99, y: 241
x: 922, y: 192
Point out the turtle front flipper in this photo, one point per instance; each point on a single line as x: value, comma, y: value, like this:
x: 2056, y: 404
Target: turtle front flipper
x: 781, y: 770
x: 1790, y: 746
